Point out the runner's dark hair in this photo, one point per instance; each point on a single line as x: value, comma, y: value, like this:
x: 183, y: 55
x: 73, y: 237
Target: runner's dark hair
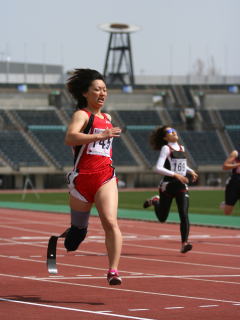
x: 156, y: 137
x: 79, y: 82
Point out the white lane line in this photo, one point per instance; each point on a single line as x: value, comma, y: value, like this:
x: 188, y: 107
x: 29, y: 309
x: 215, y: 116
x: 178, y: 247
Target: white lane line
x: 221, y: 244
x: 71, y: 278
x: 180, y: 262
x: 74, y: 309
x: 169, y: 308
x: 25, y: 230
x: 215, y: 281
x: 149, y: 275
x: 175, y: 250
x: 193, y: 277
x: 209, y: 306
x: 138, y: 309
x: 120, y: 289
x: 30, y: 238
x: 135, y: 245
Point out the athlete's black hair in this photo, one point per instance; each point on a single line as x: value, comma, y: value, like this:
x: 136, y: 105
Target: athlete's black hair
x: 79, y: 82
x: 156, y: 137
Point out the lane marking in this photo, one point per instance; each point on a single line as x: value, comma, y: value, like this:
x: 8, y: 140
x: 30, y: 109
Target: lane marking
x: 140, y: 237
x: 209, y: 306
x: 174, y: 308
x: 74, y: 309
x: 138, y: 309
x: 190, y: 277
x: 30, y: 238
x: 137, y: 258
x: 119, y: 289
x: 181, y: 262
x: 175, y: 250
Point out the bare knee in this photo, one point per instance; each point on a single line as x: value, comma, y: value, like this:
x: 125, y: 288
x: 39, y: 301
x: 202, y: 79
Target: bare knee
x: 110, y: 225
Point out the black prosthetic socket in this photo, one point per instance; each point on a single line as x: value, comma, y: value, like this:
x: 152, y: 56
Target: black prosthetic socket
x: 74, y: 237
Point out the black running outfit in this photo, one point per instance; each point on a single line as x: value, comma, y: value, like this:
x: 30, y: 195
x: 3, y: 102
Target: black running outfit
x: 170, y: 188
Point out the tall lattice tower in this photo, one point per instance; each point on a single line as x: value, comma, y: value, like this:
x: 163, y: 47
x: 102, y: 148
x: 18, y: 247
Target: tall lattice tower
x: 118, y: 68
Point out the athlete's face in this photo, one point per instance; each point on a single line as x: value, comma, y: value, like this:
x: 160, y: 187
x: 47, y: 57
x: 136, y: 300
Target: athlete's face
x: 96, y: 94
x: 171, y: 135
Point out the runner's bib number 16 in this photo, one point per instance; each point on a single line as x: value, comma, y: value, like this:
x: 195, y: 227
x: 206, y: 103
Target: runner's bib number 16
x: 179, y: 166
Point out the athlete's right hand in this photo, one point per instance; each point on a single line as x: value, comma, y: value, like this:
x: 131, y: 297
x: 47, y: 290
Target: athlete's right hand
x: 181, y: 178
x: 110, y: 133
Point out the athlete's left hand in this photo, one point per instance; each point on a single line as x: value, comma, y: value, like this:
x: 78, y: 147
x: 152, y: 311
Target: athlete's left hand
x: 110, y: 133
x: 194, y: 176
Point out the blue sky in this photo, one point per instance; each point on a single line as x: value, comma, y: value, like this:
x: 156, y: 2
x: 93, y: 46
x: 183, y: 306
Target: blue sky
x: 173, y: 34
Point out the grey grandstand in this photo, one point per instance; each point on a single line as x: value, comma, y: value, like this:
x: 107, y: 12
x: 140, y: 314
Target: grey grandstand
x: 33, y: 121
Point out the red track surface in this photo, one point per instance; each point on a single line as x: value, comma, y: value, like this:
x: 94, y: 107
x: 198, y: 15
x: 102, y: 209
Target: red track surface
x: 158, y: 281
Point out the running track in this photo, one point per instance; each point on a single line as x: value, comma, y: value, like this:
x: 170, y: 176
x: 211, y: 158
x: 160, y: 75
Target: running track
x: 158, y: 281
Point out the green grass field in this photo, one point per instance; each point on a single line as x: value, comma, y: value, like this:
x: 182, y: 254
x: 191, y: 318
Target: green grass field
x: 201, y: 201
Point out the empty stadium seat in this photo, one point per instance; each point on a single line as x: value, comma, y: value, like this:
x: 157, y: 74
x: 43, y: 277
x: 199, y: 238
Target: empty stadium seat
x: 53, y: 141
x: 16, y: 148
x: 121, y: 154
x: 140, y: 117
x: 205, y: 147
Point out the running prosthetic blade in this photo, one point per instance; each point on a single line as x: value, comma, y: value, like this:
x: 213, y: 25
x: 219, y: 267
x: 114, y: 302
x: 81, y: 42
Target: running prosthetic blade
x: 51, y: 252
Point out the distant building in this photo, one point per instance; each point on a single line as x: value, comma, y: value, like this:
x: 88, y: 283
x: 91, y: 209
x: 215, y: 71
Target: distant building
x: 30, y: 73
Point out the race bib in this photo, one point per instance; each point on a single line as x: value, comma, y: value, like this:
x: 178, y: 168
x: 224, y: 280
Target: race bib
x: 100, y: 148
x: 179, y: 166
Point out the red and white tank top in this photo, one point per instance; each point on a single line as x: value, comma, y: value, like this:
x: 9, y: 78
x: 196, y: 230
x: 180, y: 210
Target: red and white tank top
x: 98, y: 154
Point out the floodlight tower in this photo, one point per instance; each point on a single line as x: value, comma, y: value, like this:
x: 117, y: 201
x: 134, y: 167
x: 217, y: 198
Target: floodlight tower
x: 118, y: 68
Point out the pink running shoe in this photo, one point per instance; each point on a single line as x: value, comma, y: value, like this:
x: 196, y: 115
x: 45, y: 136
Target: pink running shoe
x: 150, y: 202
x: 113, y: 278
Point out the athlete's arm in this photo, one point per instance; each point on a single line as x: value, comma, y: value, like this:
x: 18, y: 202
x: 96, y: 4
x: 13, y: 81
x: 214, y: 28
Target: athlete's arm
x: 164, y: 153
x: 75, y: 136
x: 229, y: 162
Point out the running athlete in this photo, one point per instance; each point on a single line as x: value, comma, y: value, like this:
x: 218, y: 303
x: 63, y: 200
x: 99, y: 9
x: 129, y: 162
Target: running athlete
x: 93, y: 179
x: 232, y: 190
x: 172, y: 165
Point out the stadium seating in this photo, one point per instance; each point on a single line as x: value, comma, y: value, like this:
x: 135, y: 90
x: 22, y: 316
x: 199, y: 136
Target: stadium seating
x: 141, y: 138
x: 5, y: 121
x: 205, y: 147
x: 230, y: 117
x: 234, y: 135
x: 38, y: 117
x: 34, y: 137
x: 68, y: 112
x: 139, y: 118
x: 19, y: 152
x: 121, y: 154
x: 175, y: 117
x: 206, y: 118
x: 52, y: 141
